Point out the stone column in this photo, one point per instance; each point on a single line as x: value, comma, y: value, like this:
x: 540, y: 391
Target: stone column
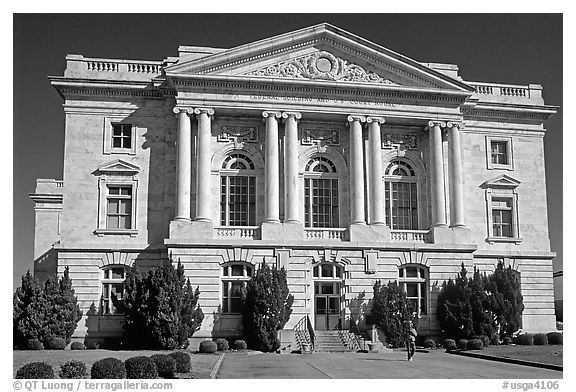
x: 357, y: 214
x: 437, y: 174
x: 203, y: 154
x: 455, y: 165
x: 376, y: 185
x: 291, y: 203
x: 271, y: 168
x: 183, y: 163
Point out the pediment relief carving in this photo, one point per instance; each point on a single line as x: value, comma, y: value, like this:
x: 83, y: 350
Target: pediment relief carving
x: 503, y: 182
x: 320, y: 66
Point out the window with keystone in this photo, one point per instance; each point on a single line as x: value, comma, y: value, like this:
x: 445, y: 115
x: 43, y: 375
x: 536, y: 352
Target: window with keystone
x: 321, y: 194
x: 113, y: 278
x: 401, y: 196
x: 234, y: 279
x: 413, y: 279
x: 238, y: 191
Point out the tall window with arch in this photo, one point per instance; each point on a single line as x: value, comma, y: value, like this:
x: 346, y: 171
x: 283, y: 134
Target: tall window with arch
x: 321, y: 193
x: 112, y: 285
x: 237, y: 191
x: 235, y: 276
x: 413, y: 279
x: 401, y: 194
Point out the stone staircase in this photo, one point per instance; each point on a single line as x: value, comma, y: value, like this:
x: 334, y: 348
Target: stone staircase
x: 329, y: 342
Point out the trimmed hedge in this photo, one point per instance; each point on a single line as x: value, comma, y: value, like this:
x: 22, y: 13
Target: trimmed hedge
x: 222, y: 344
x: 429, y: 343
x: 77, y: 346
x: 165, y: 364
x: 140, y: 367
x: 540, y: 339
x: 73, y: 369
x: 507, y: 341
x: 555, y: 338
x: 208, y: 346
x: 526, y: 339
x: 183, y: 361
x: 240, y: 344
x: 475, y: 344
x: 108, y: 368
x: 449, y: 344
x: 56, y: 344
x: 462, y: 344
x: 36, y: 370
x: 34, y: 344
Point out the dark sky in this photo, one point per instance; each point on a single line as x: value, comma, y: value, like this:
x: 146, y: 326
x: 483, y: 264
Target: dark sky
x: 505, y: 48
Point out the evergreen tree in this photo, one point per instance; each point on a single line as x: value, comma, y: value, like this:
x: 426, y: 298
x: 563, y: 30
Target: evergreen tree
x: 267, y: 308
x: 63, y: 312
x: 506, y: 300
x: 29, y: 311
x: 390, y: 312
x: 454, y: 310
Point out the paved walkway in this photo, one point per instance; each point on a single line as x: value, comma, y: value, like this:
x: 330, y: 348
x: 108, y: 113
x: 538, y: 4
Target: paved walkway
x: 391, y: 365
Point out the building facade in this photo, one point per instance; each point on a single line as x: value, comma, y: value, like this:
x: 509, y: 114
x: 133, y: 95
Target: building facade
x: 317, y: 151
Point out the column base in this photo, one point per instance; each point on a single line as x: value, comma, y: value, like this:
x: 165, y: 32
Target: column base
x: 451, y: 235
x: 284, y: 231
x: 359, y: 232
x: 186, y: 230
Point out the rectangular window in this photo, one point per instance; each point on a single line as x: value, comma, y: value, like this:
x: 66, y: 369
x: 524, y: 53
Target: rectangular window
x: 321, y: 202
x: 499, y: 151
x: 122, y: 136
x: 119, y: 207
x: 238, y: 201
x: 502, y: 217
x: 401, y: 205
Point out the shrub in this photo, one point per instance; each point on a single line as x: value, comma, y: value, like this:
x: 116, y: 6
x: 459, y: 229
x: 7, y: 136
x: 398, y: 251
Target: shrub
x: 108, y: 368
x: 475, y: 344
x: 73, y: 369
x: 267, y: 308
x: 56, y: 344
x: 77, y: 346
x: 462, y: 344
x: 165, y: 364
x: 183, y: 361
x: 555, y: 338
x: 208, y: 347
x: 37, y: 370
x: 507, y: 341
x: 93, y: 345
x: 429, y: 343
x: 34, y: 344
x: 222, y: 344
x: 140, y: 367
x: 449, y: 344
x: 525, y: 339
x: 240, y: 344
x: 540, y: 339
x: 495, y: 340
x: 485, y: 340
x: 160, y: 308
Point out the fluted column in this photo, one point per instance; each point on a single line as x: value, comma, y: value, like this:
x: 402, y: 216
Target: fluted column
x: 271, y: 168
x: 357, y: 214
x: 376, y: 185
x: 203, y: 154
x: 455, y: 165
x: 291, y: 167
x: 183, y: 163
x: 437, y: 174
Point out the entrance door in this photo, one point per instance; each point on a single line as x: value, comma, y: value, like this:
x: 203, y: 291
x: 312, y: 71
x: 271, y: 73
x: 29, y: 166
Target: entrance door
x: 327, y: 305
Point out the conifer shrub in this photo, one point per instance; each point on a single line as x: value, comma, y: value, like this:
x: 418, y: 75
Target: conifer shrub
x: 34, y: 344
x: 108, y: 368
x: 475, y: 344
x: 165, y: 365
x: 495, y: 340
x: 37, y: 370
x: 56, y: 344
x: 429, y: 343
x: 240, y: 344
x: 525, y: 339
x: 540, y: 339
x: 555, y: 338
x: 449, y: 344
x: 77, y: 346
x: 462, y: 344
x: 73, y: 369
x: 485, y: 340
x: 222, y: 344
x: 390, y: 312
x: 507, y: 341
x: 140, y: 367
x: 183, y: 361
x: 208, y: 347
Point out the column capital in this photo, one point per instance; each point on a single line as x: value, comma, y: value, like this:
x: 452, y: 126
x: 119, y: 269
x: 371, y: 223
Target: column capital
x: 180, y: 109
x: 436, y: 123
x: 208, y: 111
x: 356, y: 117
x: 454, y: 124
x: 296, y: 115
x: 270, y: 113
x: 375, y: 119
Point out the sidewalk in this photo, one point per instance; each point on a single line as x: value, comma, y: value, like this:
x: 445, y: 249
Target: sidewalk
x: 389, y: 365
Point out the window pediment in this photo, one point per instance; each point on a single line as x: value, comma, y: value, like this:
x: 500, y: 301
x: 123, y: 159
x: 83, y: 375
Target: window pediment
x: 501, y: 182
x: 118, y: 166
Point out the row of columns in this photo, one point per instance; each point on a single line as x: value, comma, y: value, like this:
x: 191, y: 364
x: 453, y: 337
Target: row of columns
x: 356, y: 164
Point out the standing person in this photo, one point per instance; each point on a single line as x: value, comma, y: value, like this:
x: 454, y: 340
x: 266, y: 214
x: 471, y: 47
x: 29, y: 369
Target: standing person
x: 411, y: 340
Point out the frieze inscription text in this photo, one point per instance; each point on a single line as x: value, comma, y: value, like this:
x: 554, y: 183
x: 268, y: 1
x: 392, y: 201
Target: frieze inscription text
x: 311, y: 100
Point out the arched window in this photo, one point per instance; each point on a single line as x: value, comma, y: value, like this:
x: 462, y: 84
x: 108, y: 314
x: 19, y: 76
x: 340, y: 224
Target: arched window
x: 112, y: 285
x: 401, y: 192
x: 237, y: 191
x: 413, y: 279
x: 321, y: 193
x: 234, y: 279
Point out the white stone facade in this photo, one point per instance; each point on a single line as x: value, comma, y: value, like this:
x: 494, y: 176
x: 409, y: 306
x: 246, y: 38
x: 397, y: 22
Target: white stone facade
x: 147, y: 146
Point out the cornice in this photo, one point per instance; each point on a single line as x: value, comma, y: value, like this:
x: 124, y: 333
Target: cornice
x: 68, y: 87
x: 50, y: 198
x: 529, y: 113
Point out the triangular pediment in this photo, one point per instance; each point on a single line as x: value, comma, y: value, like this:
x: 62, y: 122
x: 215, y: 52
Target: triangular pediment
x: 502, y: 181
x: 118, y: 166
x: 321, y: 53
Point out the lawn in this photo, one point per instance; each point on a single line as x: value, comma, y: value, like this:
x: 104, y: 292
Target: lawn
x: 550, y: 354
x: 202, y: 364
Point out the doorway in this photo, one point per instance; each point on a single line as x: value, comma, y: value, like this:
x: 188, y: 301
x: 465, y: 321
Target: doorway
x: 327, y: 296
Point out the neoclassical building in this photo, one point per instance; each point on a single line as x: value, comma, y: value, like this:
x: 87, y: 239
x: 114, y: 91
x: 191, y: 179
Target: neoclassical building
x: 318, y: 151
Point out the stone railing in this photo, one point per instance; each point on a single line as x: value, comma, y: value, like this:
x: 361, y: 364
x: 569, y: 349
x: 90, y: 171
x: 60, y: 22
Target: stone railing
x: 409, y: 235
x: 507, y: 90
x: 240, y: 232
x: 80, y: 66
x: 325, y: 234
